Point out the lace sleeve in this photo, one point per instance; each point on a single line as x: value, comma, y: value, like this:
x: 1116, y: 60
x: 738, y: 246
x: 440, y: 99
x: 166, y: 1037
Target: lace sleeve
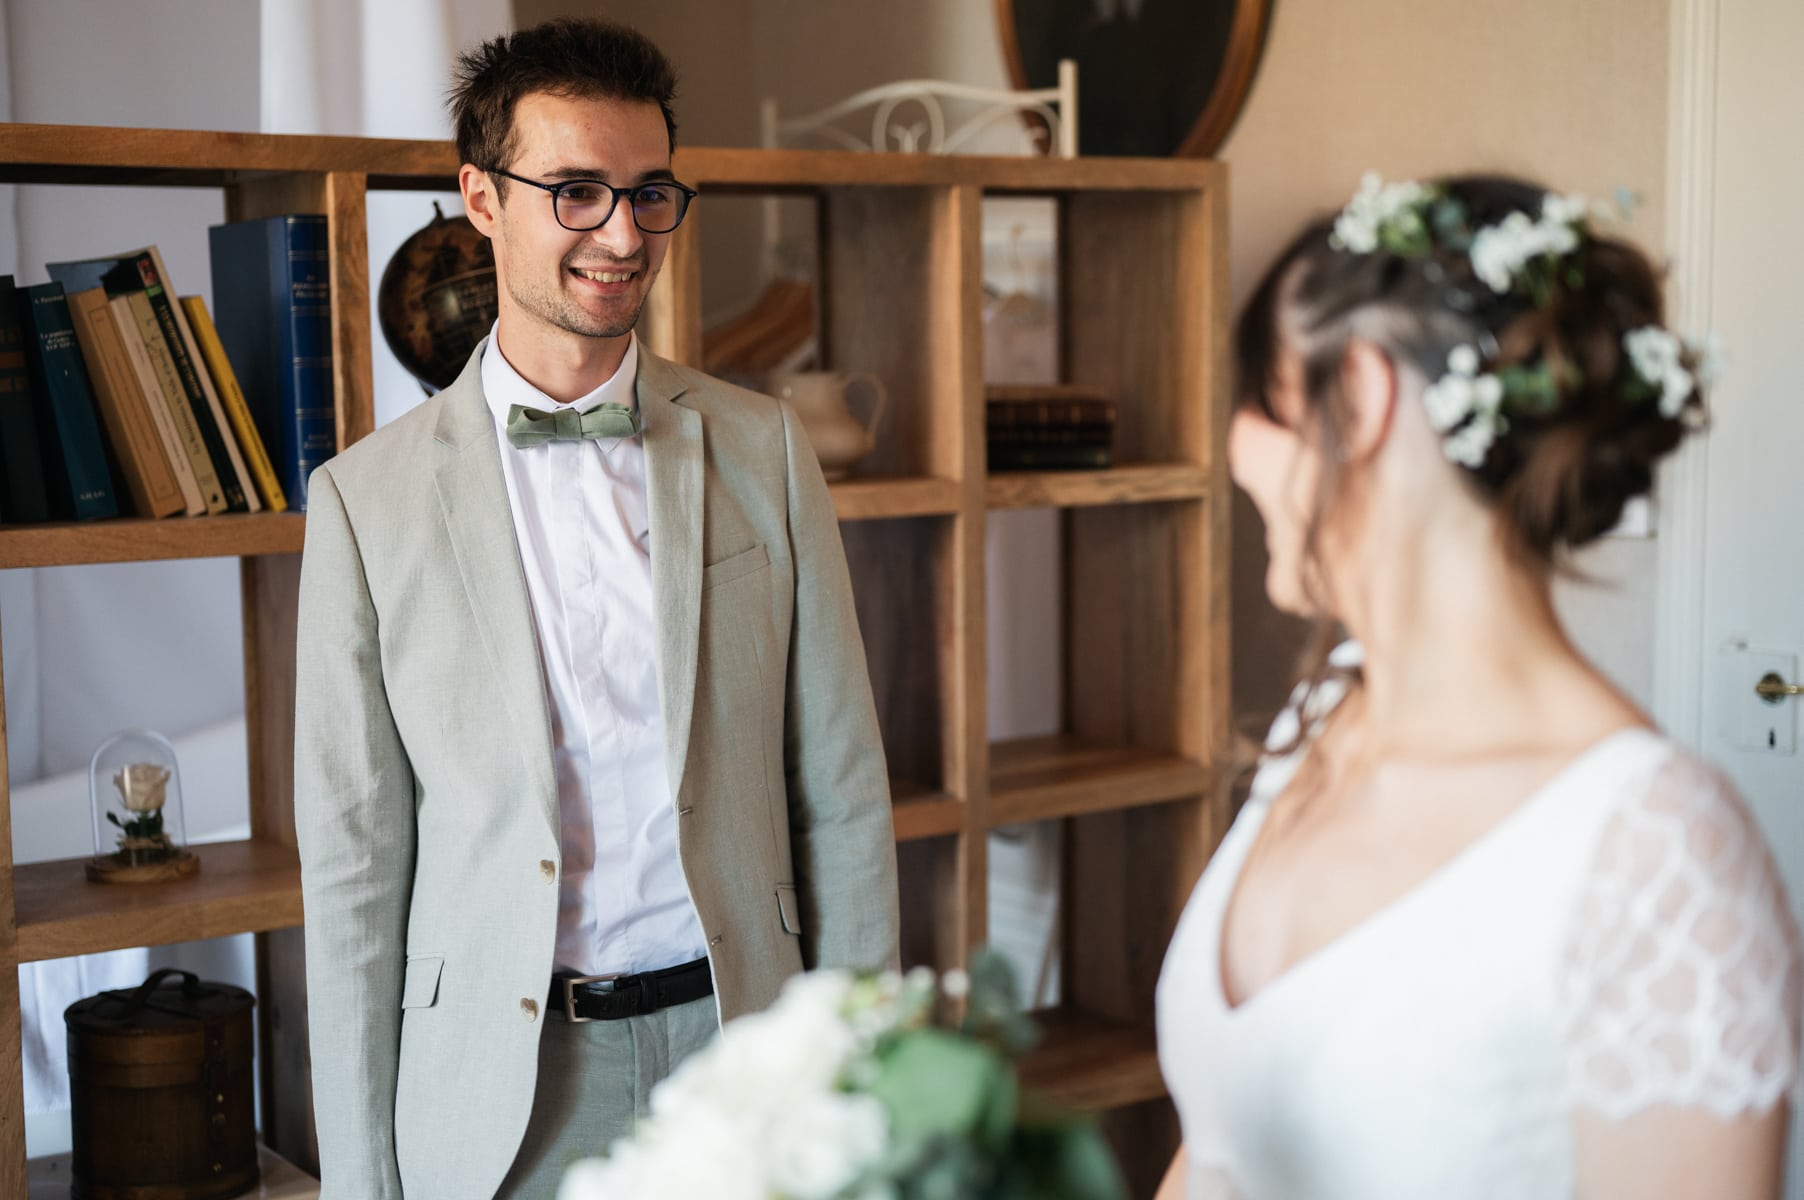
x: 1684, y: 984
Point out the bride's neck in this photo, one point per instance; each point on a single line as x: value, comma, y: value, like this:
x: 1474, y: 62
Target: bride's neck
x: 1463, y: 649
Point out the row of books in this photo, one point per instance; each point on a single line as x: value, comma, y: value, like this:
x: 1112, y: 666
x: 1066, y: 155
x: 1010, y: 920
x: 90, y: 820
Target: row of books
x: 1048, y: 427
x: 119, y: 398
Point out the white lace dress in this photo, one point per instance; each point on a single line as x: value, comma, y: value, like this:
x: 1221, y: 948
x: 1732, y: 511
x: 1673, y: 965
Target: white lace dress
x: 1620, y: 940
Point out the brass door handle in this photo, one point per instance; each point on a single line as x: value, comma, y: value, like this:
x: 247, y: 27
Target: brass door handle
x: 1773, y: 689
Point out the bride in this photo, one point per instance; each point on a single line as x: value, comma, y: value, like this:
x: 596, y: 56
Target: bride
x: 1480, y: 930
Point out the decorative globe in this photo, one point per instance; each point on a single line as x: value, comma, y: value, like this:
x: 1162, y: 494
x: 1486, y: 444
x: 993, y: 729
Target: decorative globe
x: 437, y: 299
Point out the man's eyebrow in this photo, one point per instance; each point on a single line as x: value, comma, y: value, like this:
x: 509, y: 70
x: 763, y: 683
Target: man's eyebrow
x: 655, y: 175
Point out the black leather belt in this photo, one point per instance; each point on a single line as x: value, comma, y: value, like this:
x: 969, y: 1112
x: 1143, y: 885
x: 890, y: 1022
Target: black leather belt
x: 614, y: 997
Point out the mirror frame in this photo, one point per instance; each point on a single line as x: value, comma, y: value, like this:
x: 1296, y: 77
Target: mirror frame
x: 1240, y: 62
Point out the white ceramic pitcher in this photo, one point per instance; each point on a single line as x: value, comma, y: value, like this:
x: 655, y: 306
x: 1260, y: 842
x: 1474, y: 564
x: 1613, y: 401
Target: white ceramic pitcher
x: 819, y: 399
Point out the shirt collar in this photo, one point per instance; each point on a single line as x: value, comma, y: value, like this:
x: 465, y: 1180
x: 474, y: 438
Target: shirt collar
x: 503, y: 387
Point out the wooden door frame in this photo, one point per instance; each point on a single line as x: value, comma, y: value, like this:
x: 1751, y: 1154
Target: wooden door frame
x: 1680, y: 546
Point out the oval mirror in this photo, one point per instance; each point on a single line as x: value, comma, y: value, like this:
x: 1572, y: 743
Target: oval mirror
x: 1154, y: 77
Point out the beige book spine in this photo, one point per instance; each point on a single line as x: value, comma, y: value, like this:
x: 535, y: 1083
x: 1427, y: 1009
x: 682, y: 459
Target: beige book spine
x: 123, y: 407
x: 129, y: 337
x: 187, y: 422
x: 246, y: 484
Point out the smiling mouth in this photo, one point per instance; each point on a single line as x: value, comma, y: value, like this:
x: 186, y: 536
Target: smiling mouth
x: 602, y: 276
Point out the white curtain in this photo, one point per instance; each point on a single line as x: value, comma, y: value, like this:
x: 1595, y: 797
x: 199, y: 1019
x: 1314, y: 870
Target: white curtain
x: 92, y: 650
x: 373, y: 68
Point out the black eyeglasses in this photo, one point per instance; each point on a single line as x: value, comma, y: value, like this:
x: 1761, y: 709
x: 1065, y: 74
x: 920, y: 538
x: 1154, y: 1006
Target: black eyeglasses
x: 584, y: 204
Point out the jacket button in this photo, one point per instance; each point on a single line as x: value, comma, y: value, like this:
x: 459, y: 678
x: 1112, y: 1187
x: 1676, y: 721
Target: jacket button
x: 547, y: 868
x: 529, y: 1008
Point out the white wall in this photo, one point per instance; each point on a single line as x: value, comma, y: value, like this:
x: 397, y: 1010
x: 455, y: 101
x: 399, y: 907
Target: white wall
x: 90, y: 650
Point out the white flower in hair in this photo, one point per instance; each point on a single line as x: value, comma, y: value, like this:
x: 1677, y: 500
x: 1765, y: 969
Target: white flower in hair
x: 1454, y: 396
x: 1659, y: 358
x: 1567, y: 210
x: 1373, y: 206
x: 1465, y: 407
x: 1499, y: 251
x: 1471, y: 445
x: 1707, y: 358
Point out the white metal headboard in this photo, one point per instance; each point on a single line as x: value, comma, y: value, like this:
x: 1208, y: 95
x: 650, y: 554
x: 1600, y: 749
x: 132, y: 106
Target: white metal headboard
x: 1056, y: 105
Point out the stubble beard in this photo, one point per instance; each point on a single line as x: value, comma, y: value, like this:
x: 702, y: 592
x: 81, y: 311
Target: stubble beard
x: 564, y: 313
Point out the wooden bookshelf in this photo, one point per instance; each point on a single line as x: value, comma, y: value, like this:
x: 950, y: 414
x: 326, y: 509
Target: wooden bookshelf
x: 242, y: 887
x: 1137, y: 484
x: 1144, y: 583
x: 1093, y: 1063
x: 138, y: 539
x: 1036, y: 779
x: 870, y: 499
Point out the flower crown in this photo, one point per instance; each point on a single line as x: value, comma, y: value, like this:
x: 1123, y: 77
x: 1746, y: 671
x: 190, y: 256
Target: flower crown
x: 1522, y: 256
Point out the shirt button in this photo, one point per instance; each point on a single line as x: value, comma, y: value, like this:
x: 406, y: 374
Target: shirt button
x: 547, y: 868
x: 529, y: 1009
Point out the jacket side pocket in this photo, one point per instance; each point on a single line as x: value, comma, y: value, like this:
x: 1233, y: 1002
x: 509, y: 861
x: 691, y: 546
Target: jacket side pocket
x: 420, y: 987
x: 789, y: 908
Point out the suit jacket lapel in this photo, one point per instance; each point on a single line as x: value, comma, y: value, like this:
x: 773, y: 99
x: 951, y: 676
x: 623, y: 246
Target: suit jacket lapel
x: 673, y: 484
x: 472, y: 494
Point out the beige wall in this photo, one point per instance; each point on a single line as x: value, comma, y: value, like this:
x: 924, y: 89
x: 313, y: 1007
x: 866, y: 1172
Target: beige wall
x: 1573, y: 94
x: 1570, y: 93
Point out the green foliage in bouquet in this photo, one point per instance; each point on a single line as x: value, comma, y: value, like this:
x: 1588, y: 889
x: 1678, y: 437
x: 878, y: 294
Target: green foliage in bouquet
x: 863, y: 1087
x: 961, y: 1126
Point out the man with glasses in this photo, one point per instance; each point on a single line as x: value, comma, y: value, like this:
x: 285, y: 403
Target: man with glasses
x: 585, y: 759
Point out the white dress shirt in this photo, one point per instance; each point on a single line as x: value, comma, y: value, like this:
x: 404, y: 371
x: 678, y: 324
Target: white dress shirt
x: 579, y: 511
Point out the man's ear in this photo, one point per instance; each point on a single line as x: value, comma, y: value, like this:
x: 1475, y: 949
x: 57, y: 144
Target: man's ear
x: 481, y: 204
x: 1369, y: 383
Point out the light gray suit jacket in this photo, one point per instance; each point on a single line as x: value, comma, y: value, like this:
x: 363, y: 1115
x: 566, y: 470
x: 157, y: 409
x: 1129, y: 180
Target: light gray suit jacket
x: 425, y: 799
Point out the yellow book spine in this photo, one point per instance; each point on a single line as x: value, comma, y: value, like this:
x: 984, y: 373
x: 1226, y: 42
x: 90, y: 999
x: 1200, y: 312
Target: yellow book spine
x: 231, y: 396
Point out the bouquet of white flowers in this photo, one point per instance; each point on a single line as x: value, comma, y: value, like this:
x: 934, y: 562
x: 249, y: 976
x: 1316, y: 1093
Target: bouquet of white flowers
x: 849, y: 1088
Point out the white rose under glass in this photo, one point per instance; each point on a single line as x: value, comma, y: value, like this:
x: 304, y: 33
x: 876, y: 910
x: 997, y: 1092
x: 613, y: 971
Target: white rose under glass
x: 135, y: 794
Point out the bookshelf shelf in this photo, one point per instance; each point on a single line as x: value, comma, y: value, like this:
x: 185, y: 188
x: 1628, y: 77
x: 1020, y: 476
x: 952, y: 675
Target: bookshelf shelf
x: 136, y: 539
x: 1036, y: 779
x: 1148, y: 483
x: 242, y: 887
x: 1093, y: 1063
x: 872, y: 499
x: 920, y: 813
x: 900, y: 294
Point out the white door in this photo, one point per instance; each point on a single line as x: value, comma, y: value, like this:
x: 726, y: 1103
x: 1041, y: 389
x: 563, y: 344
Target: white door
x: 1732, y: 530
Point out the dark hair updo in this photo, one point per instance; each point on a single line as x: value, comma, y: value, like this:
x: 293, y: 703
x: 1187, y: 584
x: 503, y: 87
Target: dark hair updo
x: 1559, y: 475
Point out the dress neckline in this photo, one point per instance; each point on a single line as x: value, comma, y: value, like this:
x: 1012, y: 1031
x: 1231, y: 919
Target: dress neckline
x: 1391, y: 911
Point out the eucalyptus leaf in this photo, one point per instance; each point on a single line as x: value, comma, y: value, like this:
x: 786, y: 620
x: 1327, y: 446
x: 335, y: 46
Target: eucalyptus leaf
x: 935, y: 1083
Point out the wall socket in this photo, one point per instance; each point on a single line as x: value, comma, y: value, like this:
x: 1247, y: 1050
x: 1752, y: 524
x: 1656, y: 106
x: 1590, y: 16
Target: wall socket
x: 1745, y: 719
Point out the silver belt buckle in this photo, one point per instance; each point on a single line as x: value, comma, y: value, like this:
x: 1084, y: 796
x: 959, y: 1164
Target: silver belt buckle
x: 571, y: 984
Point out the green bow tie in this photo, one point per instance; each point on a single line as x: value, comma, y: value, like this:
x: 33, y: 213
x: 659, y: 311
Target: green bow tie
x: 529, y: 426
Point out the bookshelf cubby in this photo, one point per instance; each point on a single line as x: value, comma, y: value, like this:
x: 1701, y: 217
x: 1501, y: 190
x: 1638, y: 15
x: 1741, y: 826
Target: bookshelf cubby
x: 1135, y: 769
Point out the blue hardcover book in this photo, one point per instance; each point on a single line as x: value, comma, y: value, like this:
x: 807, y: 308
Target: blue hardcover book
x: 273, y: 311
x: 68, y: 426
x: 23, y: 497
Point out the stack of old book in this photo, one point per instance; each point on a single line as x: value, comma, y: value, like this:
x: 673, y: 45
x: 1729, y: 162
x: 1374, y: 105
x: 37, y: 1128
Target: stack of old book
x: 1048, y: 427
x: 119, y: 397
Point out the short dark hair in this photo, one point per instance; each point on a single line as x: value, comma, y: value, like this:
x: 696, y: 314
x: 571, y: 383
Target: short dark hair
x: 568, y: 56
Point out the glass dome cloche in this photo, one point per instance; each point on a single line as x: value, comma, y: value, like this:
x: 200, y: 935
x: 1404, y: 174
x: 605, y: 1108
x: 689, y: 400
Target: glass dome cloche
x: 135, y: 792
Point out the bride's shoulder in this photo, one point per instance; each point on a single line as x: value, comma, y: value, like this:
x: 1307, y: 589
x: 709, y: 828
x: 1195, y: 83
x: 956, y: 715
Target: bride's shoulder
x: 1684, y: 939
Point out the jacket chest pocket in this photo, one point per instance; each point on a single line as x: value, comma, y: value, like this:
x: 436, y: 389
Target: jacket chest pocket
x: 735, y: 566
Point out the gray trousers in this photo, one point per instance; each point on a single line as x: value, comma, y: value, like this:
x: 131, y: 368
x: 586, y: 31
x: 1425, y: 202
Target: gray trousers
x: 595, y: 1078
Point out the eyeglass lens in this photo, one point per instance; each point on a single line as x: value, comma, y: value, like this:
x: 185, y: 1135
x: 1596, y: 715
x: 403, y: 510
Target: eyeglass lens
x: 656, y: 207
